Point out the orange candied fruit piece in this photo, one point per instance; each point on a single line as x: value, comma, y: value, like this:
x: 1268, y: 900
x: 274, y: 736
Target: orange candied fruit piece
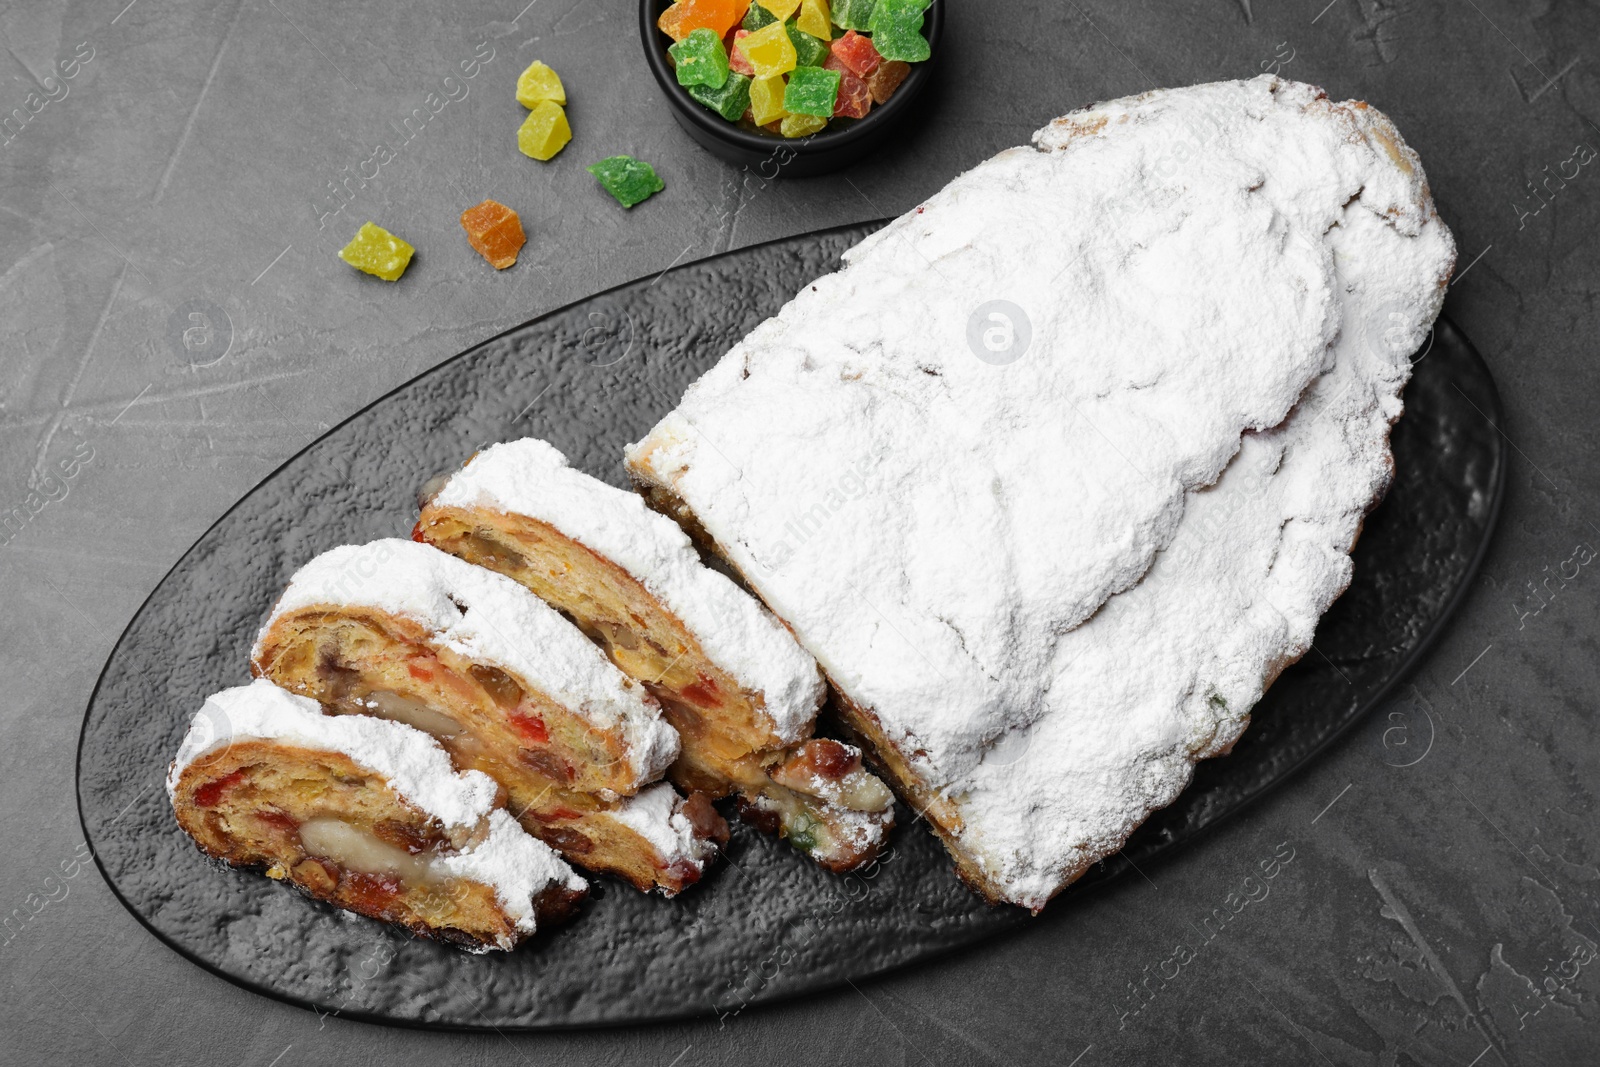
x: 495, y: 231
x: 686, y: 16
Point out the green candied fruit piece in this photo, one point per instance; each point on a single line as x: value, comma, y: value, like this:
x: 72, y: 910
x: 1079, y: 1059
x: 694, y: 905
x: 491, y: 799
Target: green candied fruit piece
x: 701, y: 59
x: 896, y: 27
x: 812, y: 91
x: 809, y: 51
x: 378, y: 252
x: 631, y: 181
x: 731, y: 101
x: 853, y: 14
x: 757, y: 18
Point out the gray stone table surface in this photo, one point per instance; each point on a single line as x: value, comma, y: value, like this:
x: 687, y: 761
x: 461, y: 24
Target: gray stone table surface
x: 215, y: 154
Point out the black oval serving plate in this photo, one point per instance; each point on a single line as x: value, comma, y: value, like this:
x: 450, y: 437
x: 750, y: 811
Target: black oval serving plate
x: 767, y: 924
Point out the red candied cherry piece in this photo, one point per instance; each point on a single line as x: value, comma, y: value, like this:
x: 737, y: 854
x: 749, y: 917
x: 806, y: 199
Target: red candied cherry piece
x: 531, y: 727
x: 855, y: 96
x: 736, y: 59
x: 858, y: 54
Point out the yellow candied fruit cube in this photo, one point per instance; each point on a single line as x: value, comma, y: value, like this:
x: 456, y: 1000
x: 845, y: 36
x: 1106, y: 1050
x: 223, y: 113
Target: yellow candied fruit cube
x: 538, y: 83
x: 377, y: 252
x: 544, y: 132
x: 802, y: 125
x: 766, y: 100
x: 815, y: 19
x: 769, y: 51
x: 781, y: 8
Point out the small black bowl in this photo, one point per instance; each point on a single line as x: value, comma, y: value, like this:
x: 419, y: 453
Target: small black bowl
x: 772, y: 156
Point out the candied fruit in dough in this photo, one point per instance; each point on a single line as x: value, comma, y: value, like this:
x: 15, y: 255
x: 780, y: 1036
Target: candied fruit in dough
x: 813, y: 19
x: 887, y: 78
x: 538, y: 83
x: 544, y: 132
x: 377, y: 252
x: 495, y: 231
x: 766, y: 100
x: 857, y: 54
x: 769, y: 51
x: 631, y: 181
x: 812, y: 91
x: 729, y: 101
x: 700, y: 59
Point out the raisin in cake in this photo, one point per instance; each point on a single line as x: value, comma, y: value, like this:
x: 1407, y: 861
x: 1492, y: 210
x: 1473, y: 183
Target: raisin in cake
x: 1176, y: 270
x: 730, y: 677
x: 403, y: 631
x: 365, y: 814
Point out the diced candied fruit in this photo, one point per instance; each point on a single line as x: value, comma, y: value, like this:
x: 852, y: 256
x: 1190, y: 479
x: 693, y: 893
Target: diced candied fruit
x: 729, y: 101
x: 544, y: 132
x: 781, y: 9
x: 855, y: 99
x: 808, y: 51
x: 887, y: 78
x: 814, y: 19
x: 852, y: 14
x: 801, y: 125
x: 377, y: 252
x: 700, y: 59
x: 812, y: 91
x: 766, y: 100
x: 769, y: 51
x: 538, y: 83
x: 857, y: 54
x: 757, y: 18
x: 631, y: 181
x: 896, y: 27
x: 686, y: 16
x: 495, y: 231
x: 736, y: 59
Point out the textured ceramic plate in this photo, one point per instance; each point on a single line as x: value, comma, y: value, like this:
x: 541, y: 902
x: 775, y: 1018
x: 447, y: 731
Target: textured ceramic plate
x: 767, y: 924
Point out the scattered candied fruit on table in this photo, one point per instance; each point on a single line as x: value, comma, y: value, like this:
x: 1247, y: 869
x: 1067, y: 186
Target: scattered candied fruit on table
x: 730, y: 101
x: 812, y: 91
x: 700, y: 59
x: 769, y: 51
x: 539, y: 83
x: 887, y: 78
x: 495, y: 231
x: 766, y: 100
x: 631, y: 181
x: 544, y: 132
x: 813, y: 19
x: 802, y: 125
x: 857, y: 54
x: 377, y: 252
x: 808, y: 51
x: 686, y: 16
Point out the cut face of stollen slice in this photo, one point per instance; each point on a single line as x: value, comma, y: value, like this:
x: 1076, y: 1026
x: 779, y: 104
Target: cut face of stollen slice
x: 936, y: 464
x: 365, y: 814
x: 730, y: 677
x: 402, y: 631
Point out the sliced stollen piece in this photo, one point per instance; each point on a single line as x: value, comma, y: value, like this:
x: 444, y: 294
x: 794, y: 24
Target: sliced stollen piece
x: 403, y: 631
x: 741, y: 692
x: 366, y: 814
x: 936, y: 464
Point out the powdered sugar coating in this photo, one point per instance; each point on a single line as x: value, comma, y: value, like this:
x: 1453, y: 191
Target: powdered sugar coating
x: 1185, y: 259
x: 517, y: 865
x: 653, y: 814
x: 490, y: 619
x: 531, y: 478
